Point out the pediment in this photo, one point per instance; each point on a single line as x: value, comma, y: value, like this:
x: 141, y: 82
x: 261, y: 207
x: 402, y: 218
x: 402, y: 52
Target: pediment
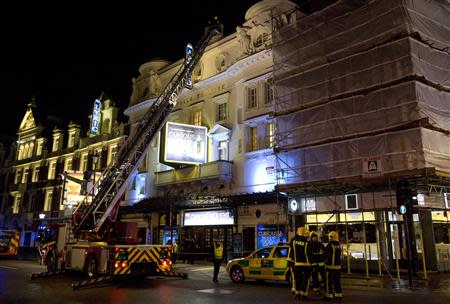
x: 28, y: 121
x: 219, y: 132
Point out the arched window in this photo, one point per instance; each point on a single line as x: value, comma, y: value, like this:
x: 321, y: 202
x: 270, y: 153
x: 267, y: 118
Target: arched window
x: 30, y: 150
x: 20, y: 154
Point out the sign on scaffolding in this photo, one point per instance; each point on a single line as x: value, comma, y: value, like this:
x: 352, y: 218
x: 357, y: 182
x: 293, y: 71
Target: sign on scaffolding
x: 372, y: 166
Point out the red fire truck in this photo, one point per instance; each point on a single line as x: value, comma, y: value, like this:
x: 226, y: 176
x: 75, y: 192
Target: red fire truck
x: 9, y: 242
x: 93, y: 240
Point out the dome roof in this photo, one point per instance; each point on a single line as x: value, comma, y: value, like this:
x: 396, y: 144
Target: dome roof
x: 276, y: 6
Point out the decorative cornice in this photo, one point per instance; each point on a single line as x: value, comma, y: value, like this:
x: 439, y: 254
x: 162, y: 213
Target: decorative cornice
x: 143, y: 105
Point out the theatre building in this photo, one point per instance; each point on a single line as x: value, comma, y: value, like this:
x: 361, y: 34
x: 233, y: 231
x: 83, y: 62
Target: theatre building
x: 211, y: 171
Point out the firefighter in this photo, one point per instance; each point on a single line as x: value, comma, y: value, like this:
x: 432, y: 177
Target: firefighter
x: 333, y: 286
x: 317, y: 261
x: 299, y: 260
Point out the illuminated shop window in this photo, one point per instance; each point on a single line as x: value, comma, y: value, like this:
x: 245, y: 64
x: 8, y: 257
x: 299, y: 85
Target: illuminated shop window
x: 351, y: 201
x: 252, y: 101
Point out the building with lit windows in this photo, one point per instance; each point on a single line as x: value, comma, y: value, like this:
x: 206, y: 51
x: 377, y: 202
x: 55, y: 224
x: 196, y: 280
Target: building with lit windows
x: 51, y: 165
x: 211, y: 172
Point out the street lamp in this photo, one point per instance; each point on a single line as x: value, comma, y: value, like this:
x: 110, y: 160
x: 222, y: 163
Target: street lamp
x: 95, y: 159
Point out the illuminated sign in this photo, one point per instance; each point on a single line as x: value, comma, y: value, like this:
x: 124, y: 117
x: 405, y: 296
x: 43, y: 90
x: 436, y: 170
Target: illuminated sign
x: 72, y: 191
x: 187, y: 59
x: 269, y: 235
x: 208, y: 218
x: 95, y: 117
x: 185, y: 144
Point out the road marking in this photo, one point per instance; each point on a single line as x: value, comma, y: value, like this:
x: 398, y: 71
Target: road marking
x: 201, y: 269
x: 215, y: 290
x: 7, y: 267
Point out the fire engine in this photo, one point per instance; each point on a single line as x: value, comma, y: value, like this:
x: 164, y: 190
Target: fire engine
x: 9, y: 242
x: 93, y: 240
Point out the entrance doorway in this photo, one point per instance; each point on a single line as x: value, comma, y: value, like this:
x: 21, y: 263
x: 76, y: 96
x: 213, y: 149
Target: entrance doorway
x: 248, y: 240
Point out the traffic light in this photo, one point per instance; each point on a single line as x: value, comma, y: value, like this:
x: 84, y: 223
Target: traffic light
x: 404, y: 196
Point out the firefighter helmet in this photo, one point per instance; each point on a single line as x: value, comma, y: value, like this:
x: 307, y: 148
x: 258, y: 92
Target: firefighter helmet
x: 302, y: 231
x: 333, y: 236
x: 313, y: 233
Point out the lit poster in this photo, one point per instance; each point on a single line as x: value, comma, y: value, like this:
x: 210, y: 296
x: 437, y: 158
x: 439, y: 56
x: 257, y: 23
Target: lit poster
x: 185, y: 144
x: 269, y: 235
x: 208, y: 218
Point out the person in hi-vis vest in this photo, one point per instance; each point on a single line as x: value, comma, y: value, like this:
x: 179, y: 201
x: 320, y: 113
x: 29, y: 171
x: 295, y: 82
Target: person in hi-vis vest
x: 217, y: 255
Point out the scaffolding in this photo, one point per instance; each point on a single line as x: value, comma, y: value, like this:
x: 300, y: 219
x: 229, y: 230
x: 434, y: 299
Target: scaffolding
x: 358, y: 80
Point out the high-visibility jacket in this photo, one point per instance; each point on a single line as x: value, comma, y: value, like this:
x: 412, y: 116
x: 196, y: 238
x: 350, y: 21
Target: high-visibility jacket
x: 299, y: 251
x: 218, y: 252
x: 175, y: 248
x: 318, y: 253
x: 333, y: 255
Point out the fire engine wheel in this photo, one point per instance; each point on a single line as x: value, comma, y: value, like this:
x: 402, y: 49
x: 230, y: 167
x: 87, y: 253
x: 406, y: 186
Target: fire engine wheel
x: 91, y: 267
x: 51, y: 261
x: 237, y: 275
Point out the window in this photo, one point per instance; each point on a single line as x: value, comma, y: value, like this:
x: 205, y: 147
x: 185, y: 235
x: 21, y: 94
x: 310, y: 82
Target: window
x: 16, y: 206
x: 197, y: 118
x: 51, y: 170
x: 268, y: 100
x: 84, y: 161
x: 263, y: 253
x: 222, y: 113
x: 223, y: 150
x: 447, y: 199
x: 18, y: 178
x: 39, y: 148
x: 251, y: 99
x: 112, y: 154
x: 351, y: 201
x: 36, y: 174
x: 253, y: 138
x: 26, y: 151
x: 71, y: 142
x: 270, y: 135
x: 55, y: 144
x: 97, y: 159
x: 48, y: 200
x: 280, y: 252
x: 20, y: 154
x: 68, y: 164
x: 25, y: 176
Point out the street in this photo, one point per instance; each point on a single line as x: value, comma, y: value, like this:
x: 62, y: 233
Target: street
x: 17, y: 287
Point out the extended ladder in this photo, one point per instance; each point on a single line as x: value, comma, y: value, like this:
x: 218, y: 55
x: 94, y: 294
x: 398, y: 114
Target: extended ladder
x: 89, y: 217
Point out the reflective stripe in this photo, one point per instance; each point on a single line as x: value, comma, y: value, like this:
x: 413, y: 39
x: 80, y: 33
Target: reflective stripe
x: 332, y: 267
x: 292, y: 279
x: 303, y: 293
x: 338, y: 295
x: 302, y: 264
x: 306, y: 253
x: 327, y: 291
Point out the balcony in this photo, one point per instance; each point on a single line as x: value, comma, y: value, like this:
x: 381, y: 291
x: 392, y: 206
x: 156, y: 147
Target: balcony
x: 221, y: 170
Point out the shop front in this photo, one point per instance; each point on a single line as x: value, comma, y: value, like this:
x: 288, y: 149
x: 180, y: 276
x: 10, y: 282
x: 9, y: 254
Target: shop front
x: 200, y: 228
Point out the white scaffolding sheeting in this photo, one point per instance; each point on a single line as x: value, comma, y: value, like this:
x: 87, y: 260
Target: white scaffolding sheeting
x: 359, y: 79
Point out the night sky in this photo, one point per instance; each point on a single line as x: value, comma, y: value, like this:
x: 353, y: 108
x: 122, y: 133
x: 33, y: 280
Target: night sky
x: 67, y: 54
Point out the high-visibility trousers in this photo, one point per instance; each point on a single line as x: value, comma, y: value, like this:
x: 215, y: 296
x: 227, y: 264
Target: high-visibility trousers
x: 300, y: 279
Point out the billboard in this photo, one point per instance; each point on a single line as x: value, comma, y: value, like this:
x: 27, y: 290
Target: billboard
x: 208, y: 218
x: 185, y: 144
x: 269, y: 235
